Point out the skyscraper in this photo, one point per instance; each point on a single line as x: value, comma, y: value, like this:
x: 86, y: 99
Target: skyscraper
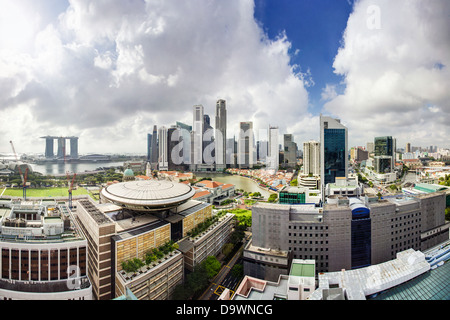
x: 245, y: 145
x: 290, y: 151
x: 154, y: 149
x: 197, y: 135
x: 333, y: 150
x: 384, y: 154
x: 221, y: 134
x: 384, y: 146
x: 272, y: 162
x: 149, y: 147
x: 311, y: 158
x: 163, y: 162
x: 186, y: 137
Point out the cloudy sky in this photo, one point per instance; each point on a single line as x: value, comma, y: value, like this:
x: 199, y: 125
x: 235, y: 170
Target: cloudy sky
x: 108, y: 70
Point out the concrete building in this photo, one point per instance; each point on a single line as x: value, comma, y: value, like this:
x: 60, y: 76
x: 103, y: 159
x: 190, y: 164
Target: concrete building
x: 133, y: 220
x: 311, y: 158
x: 245, y: 152
x: 299, y: 284
x: 347, y: 233
x: 196, y: 248
x: 44, y: 252
x: 216, y: 192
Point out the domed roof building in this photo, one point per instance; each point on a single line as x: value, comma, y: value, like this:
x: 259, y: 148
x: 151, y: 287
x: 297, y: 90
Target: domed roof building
x: 128, y: 175
x: 148, y: 195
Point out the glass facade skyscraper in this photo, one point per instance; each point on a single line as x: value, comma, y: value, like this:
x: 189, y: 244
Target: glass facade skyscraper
x: 384, y: 146
x: 333, y: 147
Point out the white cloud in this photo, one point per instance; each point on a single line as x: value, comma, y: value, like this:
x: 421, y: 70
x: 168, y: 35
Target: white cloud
x: 329, y: 92
x: 99, y: 65
x: 395, y: 72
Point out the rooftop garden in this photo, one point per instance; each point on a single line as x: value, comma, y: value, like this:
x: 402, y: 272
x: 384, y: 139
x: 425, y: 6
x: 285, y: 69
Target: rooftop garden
x: 155, y: 254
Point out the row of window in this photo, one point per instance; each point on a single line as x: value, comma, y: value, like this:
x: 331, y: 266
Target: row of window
x: 308, y: 228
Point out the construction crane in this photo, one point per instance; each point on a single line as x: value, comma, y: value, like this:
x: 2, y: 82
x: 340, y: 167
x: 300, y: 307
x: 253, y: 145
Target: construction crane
x: 24, y: 178
x: 70, y: 186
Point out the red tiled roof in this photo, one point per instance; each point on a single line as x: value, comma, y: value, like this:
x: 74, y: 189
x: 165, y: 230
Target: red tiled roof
x: 200, y: 194
x: 226, y: 186
x: 210, y: 184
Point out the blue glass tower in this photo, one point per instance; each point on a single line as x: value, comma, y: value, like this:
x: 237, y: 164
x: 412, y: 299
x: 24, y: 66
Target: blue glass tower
x: 333, y: 150
x: 361, y: 235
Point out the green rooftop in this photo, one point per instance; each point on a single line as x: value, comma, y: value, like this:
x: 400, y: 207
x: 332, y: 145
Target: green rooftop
x: 302, y: 269
x: 429, y: 187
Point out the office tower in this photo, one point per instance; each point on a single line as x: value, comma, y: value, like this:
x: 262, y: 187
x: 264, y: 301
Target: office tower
x: 384, y: 154
x: 149, y: 147
x: 333, y: 150
x: 154, y: 151
x: 245, y: 145
x: 408, y: 148
x: 262, y: 151
x: 230, y: 153
x: 384, y: 146
x: 197, y: 132
x: 290, y: 151
x: 311, y: 158
x: 221, y: 134
x: 206, y: 123
x: 163, y: 162
x: 186, y: 138
x: 175, y: 148
x: 273, y: 151
x: 74, y: 147
x: 370, y: 147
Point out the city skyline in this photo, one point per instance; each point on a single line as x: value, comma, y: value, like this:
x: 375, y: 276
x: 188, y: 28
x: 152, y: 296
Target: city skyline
x: 108, y: 72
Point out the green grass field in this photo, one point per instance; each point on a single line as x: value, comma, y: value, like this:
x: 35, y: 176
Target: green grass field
x: 43, y: 192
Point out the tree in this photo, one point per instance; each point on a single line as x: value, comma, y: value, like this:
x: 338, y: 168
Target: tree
x: 238, y: 270
x: 273, y: 197
x: 227, y: 249
x: 211, y: 265
x: 294, y: 183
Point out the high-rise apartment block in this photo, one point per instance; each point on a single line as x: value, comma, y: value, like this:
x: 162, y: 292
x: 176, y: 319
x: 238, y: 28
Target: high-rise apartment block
x: 311, y: 158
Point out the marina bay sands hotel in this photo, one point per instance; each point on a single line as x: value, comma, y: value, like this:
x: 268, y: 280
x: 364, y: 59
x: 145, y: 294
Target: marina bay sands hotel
x: 61, y: 153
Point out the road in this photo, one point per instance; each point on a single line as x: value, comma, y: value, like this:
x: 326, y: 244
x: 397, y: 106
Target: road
x: 223, y: 279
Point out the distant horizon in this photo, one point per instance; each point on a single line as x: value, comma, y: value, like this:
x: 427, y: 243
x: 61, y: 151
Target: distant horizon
x: 107, y: 72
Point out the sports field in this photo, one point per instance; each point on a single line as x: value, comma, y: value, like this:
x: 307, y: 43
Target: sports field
x: 43, y: 192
